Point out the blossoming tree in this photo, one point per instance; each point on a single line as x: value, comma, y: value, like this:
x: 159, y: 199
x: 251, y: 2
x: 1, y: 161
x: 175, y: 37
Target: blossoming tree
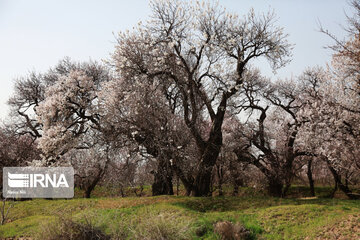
x: 200, y: 52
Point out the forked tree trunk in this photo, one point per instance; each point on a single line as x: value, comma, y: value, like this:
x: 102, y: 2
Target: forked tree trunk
x: 90, y: 186
x: 208, y: 159
x: 162, y: 184
x: 210, y: 149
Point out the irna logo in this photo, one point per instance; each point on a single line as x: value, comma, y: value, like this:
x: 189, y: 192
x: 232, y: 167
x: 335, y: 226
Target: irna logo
x: 38, y: 182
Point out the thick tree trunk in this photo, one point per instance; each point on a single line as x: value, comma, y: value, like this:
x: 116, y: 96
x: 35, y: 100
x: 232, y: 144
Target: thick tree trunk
x: 91, y: 183
x: 162, y: 184
x: 275, y: 185
x: 210, y: 150
x: 275, y: 188
x: 208, y: 161
x: 288, y: 167
x: 203, y: 181
x: 203, y: 178
x: 310, y: 177
x: 90, y: 186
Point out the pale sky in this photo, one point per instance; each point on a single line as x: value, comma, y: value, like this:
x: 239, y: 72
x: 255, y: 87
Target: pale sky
x: 36, y: 34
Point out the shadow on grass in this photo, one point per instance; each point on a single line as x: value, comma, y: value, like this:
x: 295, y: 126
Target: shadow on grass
x: 224, y: 204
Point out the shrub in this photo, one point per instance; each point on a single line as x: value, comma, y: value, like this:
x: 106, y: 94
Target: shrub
x: 155, y: 224
x: 67, y: 229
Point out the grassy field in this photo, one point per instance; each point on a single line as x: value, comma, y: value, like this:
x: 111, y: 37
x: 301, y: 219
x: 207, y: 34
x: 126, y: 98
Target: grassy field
x: 179, y: 217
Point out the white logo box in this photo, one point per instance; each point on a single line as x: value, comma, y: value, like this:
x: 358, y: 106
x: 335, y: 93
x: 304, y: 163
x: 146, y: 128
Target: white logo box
x: 38, y: 182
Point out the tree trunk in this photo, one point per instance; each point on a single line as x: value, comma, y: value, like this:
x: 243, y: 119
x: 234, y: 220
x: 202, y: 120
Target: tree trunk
x: 236, y: 189
x: 188, y: 191
x: 186, y: 180
x: 346, y: 181
x: 203, y: 181
x: 221, y: 193
x: 237, y: 182
x: 220, y: 176
x: 285, y: 189
x: 88, y: 190
x: 162, y: 184
x: 332, y: 194
x: 141, y: 189
x: 236, y: 179
x: 91, y: 183
x: 122, y: 191
x: 177, y: 185
x: 208, y: 160
x: 310, y: 177
x: 203, y: 177
x: 275, y: 188
x: 90, y: 186
x: 341, y: 186
x: 210, y: 150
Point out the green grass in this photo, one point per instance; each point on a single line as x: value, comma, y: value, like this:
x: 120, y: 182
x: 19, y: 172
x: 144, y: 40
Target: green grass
x: 179, y: 217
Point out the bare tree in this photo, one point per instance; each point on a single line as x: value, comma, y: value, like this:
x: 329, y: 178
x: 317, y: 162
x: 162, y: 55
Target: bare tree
x: 5, y: 209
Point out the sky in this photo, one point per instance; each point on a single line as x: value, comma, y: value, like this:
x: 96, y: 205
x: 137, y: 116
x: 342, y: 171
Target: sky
x: 36, y: 34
